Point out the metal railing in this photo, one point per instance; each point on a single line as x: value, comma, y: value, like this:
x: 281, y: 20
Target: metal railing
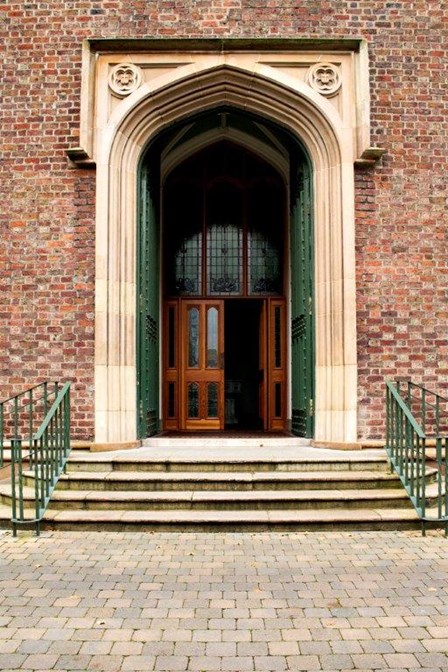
x: 415, y: 420
x: 40, y: 441
x: 21, y: 415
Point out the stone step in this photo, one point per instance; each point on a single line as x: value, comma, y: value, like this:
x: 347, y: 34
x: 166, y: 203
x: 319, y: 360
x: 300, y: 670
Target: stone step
x: 232, y: 521
x: 228, y: 461
x: 220, y: 500
x: 234, y: 481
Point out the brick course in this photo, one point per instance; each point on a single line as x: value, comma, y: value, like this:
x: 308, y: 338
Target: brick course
x: 47, y: 249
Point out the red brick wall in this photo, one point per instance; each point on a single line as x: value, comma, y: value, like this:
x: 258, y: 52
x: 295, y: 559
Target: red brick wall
x: 47, y: 244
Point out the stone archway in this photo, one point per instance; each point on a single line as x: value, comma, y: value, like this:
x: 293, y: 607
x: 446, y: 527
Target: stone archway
x: 329, y: 143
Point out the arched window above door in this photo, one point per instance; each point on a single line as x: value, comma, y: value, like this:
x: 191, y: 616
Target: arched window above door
x: 224, y: 214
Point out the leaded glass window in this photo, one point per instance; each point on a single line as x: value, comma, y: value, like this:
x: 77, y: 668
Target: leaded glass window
x: 184, y: 240
x: 224, y: 229
x: 187, y: 265
x: 224, y: 241
x: 193, y: 338
x: 193, y: 400
x: 264, y: 242
x: 212, y: 400
x: 212, y: 338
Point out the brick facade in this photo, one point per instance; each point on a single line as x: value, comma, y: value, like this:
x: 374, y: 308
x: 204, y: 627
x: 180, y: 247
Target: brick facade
x: 47, y: 273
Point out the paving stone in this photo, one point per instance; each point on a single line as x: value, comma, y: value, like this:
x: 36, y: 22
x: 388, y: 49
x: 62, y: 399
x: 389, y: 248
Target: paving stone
x: 33, y: 646
x: 272, y: 601
x: 73, y: 662
x: 283, y: 648
x: 41, y: 661
x: 221, y: 649
x: 320, y: 648
x: 171, y: 663
x: 122, y: 635
x: 336, y: 661
x: 137, y: 663
x: 433, y: 659
x: 404, y: 660
x: 106, y: 663
x: 270, y: 663
x: 409, y: 645
x: 205, y: 663
x: 96, y: 648
x: 189, y: 649
x: 299, y: 663
x: 369, y: 661
x: 252, y: 649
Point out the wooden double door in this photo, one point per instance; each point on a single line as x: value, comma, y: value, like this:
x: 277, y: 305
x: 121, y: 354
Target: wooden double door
x: 224, y: 364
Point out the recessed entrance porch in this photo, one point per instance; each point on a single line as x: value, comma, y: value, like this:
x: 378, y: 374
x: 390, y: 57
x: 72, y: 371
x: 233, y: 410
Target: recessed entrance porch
x: 236, y: 263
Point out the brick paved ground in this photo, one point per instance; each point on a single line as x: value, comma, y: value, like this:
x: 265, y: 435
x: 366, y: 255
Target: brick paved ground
x: 271, y: 601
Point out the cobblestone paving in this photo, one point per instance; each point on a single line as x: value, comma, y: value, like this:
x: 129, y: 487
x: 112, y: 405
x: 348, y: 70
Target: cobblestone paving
x: 268, y: 601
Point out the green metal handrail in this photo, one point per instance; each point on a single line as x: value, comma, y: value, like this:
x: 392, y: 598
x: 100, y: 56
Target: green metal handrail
x: 431, y: 407
x: 407, y: 444
x: 22, y: 413
x: 48, y: 454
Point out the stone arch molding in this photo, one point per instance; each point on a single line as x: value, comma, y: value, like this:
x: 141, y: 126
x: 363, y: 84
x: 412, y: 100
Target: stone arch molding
x: 266, y: 92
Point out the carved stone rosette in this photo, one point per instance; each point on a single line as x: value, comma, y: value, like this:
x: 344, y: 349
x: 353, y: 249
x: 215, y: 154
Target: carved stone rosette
x: 125, y: 78
x: 325, y: 78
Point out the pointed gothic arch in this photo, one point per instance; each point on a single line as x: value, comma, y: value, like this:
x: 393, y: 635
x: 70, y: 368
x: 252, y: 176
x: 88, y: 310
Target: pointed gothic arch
x: 310, y: 118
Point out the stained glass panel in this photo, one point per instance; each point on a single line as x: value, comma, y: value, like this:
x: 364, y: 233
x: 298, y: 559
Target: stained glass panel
x: 183, y: 207
x: 224, y: 215
x: 264, y: 241
x: 212, y: 338
x: 193, y: 400
x: 224, y: 241
x: 193, y: 337
x: 212, y: 400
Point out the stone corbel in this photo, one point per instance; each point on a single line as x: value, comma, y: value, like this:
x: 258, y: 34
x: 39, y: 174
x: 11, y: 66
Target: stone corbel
x: 369, y: 157
x: 80, y: 157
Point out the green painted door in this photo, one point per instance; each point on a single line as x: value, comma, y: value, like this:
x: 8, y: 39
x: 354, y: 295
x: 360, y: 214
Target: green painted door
x: 148, y: 272
x: 302, y: 301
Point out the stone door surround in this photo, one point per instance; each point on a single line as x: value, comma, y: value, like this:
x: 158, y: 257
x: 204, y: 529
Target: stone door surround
x: 132, y: 90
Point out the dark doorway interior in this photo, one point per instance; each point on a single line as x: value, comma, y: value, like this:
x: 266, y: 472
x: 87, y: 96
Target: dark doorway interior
x: 242, y: 357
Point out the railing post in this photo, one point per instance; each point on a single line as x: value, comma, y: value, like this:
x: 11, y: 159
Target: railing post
x: 36, y: 461
x: 439, y: 475
x: 437, y: 414
x: 16, y: 483
x: 423, y: 507
x: 424, y: 410
x: 66, y: 427
x: 30, y: 419
x: 16, y: 416
x: 445, y: 470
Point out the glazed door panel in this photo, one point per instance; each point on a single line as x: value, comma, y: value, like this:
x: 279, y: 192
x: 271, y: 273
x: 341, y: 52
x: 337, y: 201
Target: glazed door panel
x: 202, y: 369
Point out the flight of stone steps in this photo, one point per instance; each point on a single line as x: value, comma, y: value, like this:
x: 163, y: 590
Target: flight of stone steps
x: 279, y: 485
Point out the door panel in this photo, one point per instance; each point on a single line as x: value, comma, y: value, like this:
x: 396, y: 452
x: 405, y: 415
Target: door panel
x: 148, y: 301
x: 194, y: 374
x: 263, y: 367
x: 273, y: 364
x: 171, y: 357
x: 302, y: 301
x: 277, y: 364
x: 202, y: 372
